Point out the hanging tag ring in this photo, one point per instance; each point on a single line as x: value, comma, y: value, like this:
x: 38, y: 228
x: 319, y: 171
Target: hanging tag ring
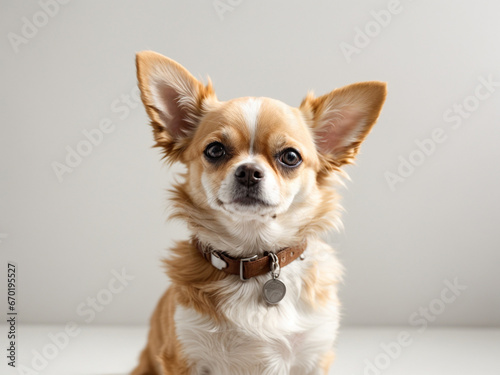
x: 275, y: 265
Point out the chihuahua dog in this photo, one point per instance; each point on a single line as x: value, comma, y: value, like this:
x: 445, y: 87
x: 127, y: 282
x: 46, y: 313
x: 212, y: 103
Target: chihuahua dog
x: 254, y: 290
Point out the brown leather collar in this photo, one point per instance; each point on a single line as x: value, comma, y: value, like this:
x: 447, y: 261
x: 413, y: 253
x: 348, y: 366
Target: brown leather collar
x: 247, y: 268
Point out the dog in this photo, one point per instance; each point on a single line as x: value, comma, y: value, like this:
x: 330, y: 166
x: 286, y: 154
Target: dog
x: 254, y: 290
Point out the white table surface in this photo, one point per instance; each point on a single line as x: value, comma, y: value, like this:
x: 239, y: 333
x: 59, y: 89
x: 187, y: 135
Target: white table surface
x: 113, y: 350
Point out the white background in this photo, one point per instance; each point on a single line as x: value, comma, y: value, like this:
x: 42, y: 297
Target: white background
x: 399, y: 245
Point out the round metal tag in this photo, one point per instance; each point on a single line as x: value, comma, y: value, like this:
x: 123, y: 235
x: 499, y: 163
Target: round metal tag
x: 274, y: 291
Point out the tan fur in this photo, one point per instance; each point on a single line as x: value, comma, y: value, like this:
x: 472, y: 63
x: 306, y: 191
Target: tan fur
x: 192, y: 286
x: 163, y: 350
x: 318, y: 288
x: 194, y: 282
x: 193, y: 278
x: 327, y: 361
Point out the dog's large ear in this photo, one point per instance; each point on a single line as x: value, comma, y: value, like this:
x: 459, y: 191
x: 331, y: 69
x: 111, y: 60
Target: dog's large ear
x: 342, y: 119
x: 174, y: 100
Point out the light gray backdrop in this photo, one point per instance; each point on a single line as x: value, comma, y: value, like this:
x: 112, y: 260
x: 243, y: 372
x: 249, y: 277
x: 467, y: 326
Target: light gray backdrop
x: 416, y: 217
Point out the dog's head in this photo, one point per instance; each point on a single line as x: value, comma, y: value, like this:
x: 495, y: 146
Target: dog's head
x: 254, y: 159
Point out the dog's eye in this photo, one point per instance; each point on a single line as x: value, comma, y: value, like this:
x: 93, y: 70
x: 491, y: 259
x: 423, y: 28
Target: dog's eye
x: 215, y: 151
x: 290, y: 157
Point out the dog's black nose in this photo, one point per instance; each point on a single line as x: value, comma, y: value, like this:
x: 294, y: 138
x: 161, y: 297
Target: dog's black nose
x: 249, y: 174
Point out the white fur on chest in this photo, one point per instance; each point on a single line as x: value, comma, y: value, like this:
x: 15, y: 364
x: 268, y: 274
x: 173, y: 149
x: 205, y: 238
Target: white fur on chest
x: 258, y: 339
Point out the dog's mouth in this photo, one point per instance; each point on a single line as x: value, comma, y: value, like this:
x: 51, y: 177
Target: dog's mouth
x: 246, y: 204
x: 249, y: 197
x: 250, y: 201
